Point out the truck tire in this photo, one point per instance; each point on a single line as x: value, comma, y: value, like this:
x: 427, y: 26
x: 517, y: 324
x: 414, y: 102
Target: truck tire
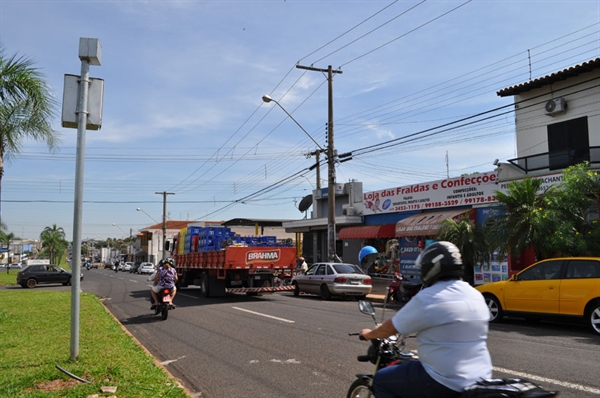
x: 205, y: 285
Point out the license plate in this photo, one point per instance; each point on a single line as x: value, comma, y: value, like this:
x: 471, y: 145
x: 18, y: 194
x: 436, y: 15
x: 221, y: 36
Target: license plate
x: 166, y: 299
x: 354, y: 282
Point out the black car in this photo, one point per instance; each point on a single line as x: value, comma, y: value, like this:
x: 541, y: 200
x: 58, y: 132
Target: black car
x: 31, y: 275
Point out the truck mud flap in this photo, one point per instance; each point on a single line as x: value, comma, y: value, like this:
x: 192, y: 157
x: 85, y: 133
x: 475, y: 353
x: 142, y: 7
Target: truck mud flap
x: 260, y: 289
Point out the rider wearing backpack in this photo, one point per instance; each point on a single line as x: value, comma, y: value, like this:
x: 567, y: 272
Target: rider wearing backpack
x: 166, y: 277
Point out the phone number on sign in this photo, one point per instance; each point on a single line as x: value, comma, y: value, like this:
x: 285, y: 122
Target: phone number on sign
x: 453, y: 202
x: 480, y: 200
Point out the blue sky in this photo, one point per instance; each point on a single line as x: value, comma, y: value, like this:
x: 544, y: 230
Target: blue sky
x: 183, y: 110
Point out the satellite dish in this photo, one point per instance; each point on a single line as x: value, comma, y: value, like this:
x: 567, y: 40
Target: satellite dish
x: 305, y: 203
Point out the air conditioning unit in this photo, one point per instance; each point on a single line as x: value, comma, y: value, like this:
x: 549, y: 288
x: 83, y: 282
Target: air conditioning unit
x: 348, y: 211
x: 555, y: 105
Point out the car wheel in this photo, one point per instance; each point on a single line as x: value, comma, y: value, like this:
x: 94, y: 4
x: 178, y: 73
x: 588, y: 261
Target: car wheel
x: 325, y: 293
x: 296, y: 289
x: 31, y: 283
x: 495, y: 308
x: 67, y: 283
x: 594, y: 316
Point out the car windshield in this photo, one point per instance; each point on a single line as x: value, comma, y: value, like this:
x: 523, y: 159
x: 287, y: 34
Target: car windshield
x: 347, y: 269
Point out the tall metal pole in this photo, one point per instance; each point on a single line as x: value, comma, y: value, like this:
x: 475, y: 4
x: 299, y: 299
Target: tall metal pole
x: 331, y: 253
x: 164, y: 222
x: 84, y: 84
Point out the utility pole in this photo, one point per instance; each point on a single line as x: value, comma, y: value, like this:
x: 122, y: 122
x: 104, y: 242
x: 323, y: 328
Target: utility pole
x: 164, y: 226
x: 317, y: 155
x: 331, y: 254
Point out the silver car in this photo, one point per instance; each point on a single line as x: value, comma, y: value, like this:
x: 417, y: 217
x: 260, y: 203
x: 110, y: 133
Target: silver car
x: 146, y: 268
x: 333, y: 279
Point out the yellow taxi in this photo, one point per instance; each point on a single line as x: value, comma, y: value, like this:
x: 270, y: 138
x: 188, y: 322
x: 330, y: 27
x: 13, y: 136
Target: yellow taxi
x: 566, y: 286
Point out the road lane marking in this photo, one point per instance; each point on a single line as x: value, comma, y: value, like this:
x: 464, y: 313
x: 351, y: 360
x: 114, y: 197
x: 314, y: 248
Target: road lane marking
x: 265, y: 315
x: 133, y: 280
x: 187, y: 295
x: 547, y: 380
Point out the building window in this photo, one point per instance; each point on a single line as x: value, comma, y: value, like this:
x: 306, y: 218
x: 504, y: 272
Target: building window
x: 568, y: 143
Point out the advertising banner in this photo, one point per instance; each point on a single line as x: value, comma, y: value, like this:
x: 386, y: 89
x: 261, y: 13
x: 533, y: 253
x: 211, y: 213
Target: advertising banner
x: 460, y: 191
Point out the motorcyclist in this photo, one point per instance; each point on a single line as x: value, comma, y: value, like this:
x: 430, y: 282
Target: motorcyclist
x: 451, y: 319
x: 165, y: 277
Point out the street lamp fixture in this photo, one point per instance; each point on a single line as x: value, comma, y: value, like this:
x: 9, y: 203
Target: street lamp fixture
x: 268, y: 99
x: 142, y: 210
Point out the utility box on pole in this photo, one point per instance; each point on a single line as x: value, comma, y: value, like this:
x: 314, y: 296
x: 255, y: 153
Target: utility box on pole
x: 71, y: 99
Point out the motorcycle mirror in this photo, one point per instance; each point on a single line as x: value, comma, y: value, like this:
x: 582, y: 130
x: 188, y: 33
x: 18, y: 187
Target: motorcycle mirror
x: 366, y: 307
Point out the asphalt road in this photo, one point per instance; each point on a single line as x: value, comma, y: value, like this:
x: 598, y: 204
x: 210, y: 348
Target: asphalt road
x: 283, y: 346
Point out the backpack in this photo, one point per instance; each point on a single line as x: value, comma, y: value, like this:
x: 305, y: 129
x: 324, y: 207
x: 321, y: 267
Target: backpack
x: 506, y: 388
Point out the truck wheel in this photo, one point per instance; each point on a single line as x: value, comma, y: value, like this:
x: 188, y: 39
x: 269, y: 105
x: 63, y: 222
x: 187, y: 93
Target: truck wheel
x: 204, y: 285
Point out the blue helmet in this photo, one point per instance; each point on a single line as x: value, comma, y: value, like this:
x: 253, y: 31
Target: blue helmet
x: 367, y: 255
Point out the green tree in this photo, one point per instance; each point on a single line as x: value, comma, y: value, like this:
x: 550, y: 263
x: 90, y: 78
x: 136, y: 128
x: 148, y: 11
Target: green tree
x: 54, y: 243
x: 470, y: 240
x: 6, y: 239
x: 572, y: 213
x: 27, y: 108
x: 521, y: 227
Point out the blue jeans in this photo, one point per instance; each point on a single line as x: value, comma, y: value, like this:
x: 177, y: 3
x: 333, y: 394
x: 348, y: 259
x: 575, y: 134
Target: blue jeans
x: 409, y: 380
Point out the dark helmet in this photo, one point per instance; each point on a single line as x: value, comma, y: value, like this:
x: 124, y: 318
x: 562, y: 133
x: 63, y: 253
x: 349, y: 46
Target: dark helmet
x: 439, y: 260
x: 169, y: 261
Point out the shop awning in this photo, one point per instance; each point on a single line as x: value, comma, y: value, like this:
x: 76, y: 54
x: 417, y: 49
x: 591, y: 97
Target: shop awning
x: 423, y: 224
x: 368, y: 232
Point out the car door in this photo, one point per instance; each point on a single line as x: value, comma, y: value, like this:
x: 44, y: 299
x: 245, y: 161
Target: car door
x: 315, y: 280
x: 55, y: 274
x: 580, y: 284
x: 304, y: 281
x: 536, y: 289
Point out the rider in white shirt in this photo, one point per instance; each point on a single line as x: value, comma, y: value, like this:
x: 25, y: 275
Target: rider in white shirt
x: 451, y: 319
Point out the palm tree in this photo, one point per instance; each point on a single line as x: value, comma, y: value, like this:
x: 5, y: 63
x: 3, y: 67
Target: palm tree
x: 54, y: 242
x: 522, y: 226
x: 26, y: 108
x: 470, y: 240
x: 6, y: 239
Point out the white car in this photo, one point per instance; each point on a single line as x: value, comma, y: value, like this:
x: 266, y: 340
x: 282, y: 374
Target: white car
x: 333, y: 279
x: 146, y: 268
x: 127, y: 266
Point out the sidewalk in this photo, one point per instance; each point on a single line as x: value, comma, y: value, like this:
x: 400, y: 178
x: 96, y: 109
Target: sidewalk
x: 379, y: 291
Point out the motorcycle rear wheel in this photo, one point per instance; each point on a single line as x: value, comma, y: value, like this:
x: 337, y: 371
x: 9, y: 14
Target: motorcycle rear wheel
x: 360, y: 389
x: 164, y: 312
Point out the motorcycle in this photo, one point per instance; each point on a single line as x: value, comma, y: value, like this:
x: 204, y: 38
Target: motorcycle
x: 401, y: 289
x: 389, y: 351
x: 164, y: 303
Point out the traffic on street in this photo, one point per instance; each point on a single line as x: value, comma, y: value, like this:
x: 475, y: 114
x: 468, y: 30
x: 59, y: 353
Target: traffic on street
x: 279, y: 344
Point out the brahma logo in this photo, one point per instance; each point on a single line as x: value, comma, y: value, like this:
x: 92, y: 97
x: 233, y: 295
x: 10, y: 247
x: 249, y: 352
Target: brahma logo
x: 267, y: 256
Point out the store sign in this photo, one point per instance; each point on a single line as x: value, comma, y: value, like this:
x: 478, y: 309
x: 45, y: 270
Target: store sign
x: 460, y: 191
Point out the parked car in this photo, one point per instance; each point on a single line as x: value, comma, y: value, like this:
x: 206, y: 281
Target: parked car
x: 567, y: 287
x: 32, y: 275
x: 127, y: 266
x: 14, y: 266
x: 146, y: 268
x: 333, y: 279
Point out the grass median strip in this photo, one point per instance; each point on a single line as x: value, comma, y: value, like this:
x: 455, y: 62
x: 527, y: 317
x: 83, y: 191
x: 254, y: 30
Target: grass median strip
x: 35, y: 332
